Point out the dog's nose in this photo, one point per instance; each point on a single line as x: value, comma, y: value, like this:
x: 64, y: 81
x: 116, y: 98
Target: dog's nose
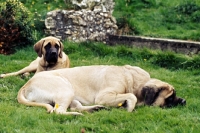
x: 53, y: 52
x: 182, y: 102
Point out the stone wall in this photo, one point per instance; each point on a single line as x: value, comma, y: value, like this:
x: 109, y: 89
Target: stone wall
x: 80, y: 25
x: 179, y: 46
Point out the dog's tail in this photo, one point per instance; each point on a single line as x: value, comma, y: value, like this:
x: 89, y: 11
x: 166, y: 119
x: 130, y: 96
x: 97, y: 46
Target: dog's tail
x: 22, y: 99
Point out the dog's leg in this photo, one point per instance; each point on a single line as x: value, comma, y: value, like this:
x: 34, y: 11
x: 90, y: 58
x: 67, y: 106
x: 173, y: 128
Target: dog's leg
x: 61, y: 104
x: 63, y: 100
x: 23, y: 100
x: 62, y: 108
x: 32, y: 67
x: 76, y: 105
x: 59, y: 109
x: 127, y: 100
x: 24, y: 71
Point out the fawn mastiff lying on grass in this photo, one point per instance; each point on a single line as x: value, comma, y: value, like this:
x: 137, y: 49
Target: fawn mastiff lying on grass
x: 50, y: 57
x: 95, y: 86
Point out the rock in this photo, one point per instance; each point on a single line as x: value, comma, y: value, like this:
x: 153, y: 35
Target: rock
x: 96, y: 5
x: 50, y: 23
x: 80, y: 25
x: 68, y: 32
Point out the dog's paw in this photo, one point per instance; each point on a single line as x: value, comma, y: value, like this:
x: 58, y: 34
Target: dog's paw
x: 2, y: 75
x: 77, y: 113
x: 50, y: 109
x: 25, y: 75
x: 68, y: 113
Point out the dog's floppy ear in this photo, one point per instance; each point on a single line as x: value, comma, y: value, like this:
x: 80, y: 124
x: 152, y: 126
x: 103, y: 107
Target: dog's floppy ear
x: 61, y: 49
x: 149, y: 94
x: 156, y: 91
x: 167, y: 91
x: 38, y: 47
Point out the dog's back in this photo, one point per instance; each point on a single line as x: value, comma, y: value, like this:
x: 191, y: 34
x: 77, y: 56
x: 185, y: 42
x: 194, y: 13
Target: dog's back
x: 87, y: 81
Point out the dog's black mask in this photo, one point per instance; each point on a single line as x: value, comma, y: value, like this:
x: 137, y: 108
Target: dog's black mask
x: 174, y: 101
x: 51, y: 55
x: 150, y: 95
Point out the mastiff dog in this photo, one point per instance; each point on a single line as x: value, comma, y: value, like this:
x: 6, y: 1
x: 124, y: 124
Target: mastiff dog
x: 90, y: 88
x: 50, y: 57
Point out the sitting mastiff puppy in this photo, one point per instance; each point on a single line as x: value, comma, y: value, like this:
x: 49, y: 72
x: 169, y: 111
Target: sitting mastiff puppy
x: 50, y: 57
x: 89, y: 88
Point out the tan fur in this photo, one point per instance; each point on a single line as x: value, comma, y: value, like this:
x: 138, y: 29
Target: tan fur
x: 40, y: 63
x: 92, y: 86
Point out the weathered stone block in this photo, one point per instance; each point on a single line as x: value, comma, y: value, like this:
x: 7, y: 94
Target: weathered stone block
x: 80, y: 25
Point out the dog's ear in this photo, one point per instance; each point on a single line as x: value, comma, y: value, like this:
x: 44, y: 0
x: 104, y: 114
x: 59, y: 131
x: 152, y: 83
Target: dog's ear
x: 156, y: 91
x: 38, y: 47
x: 163, y: 93
x: 61, y: 49
x: 167, y: 91
x: 150, y: 94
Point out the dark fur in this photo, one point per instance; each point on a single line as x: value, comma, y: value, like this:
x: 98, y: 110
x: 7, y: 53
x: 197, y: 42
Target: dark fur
x: 51, y: 53
x: 150, y: 95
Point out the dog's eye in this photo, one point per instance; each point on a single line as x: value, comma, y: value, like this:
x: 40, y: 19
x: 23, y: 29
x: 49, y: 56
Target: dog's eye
x: 48, y: 46
x: 169, y: 99
x: 57, y: 46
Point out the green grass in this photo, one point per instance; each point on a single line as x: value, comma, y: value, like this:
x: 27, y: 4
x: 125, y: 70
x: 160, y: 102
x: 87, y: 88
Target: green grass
x: 156, y: 18
x: 16, y: 117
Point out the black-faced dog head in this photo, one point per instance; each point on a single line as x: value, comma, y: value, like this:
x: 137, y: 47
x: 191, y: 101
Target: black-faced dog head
x: 51, y: 54
x: 159, y: 93
x: 50, y: 47
x: 173, y: 100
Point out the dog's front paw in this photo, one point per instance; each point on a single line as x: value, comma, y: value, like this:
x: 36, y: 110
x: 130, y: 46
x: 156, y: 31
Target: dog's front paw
x: 26, y: 74
x: 2, y: 75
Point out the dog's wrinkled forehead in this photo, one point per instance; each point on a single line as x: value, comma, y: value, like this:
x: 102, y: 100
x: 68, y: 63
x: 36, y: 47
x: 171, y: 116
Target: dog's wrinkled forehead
x: 51, y: 40
x: 159, y: 84
x: 165, y: 90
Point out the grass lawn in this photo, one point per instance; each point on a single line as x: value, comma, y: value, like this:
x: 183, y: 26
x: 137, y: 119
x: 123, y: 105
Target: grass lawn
x: 186, y: 80
x: 156, y: 18
x: 177, y: 19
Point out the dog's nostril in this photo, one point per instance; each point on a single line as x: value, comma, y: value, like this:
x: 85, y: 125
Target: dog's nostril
x: 183, y: 102
x: 53, y: 53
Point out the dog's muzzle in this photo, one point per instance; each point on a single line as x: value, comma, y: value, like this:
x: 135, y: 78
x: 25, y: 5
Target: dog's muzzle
x: 177, y: 101
x: 52, y: 56
x: 181, y: 101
